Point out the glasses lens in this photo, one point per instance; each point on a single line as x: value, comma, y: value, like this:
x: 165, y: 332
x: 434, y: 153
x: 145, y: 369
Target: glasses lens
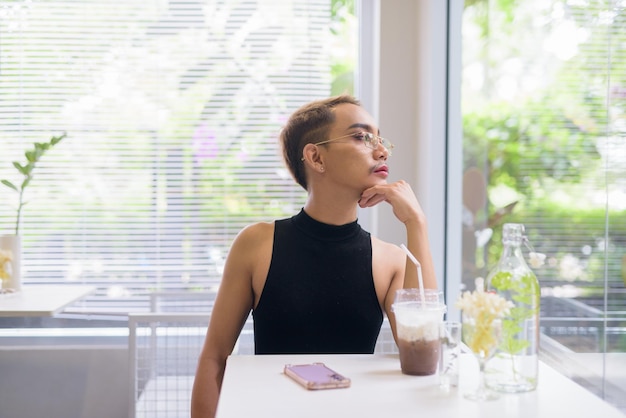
x: 372, y: 141
x: 388, y: 145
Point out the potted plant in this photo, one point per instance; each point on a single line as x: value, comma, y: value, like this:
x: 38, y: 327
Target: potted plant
x: 10, y: 245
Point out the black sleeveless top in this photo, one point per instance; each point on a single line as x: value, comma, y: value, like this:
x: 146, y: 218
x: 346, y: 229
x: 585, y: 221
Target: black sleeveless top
x: 319, y: 297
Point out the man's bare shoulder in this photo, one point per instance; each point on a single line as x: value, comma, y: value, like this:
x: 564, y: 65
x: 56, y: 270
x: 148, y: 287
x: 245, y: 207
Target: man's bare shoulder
x: 255, y: 234
x: 257, y: 230
x: 387, y: 249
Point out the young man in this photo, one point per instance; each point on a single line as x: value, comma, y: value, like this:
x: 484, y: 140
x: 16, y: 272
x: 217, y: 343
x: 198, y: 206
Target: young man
x: 317, y: 282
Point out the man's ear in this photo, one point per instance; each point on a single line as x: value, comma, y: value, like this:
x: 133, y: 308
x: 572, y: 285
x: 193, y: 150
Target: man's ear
x: 312, y: 157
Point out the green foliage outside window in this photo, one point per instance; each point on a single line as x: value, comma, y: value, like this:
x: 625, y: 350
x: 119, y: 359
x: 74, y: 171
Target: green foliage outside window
x: 549, y: 147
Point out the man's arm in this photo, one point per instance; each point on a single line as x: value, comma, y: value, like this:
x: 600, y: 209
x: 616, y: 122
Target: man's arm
x: 408, y: 211
x: 419, y: 245
x: 207, y: 386
x: 232, y: 307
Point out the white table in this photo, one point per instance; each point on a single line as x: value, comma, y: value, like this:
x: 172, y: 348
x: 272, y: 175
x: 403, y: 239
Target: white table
x: 41, y: 300
x: 254, y: 386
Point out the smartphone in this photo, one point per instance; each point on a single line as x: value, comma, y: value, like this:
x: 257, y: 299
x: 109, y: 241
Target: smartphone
x: 316, y: 376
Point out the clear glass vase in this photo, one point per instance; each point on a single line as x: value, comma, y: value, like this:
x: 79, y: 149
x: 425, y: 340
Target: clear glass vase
x: 482, y: 335
x: 514, y: 367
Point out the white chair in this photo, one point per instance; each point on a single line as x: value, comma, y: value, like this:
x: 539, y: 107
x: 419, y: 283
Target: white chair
x: 164, y: 346
x: 163, y: 355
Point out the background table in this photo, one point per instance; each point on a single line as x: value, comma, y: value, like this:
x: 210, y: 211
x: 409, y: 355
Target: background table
x: 41, y: 300
x: 255, y: 386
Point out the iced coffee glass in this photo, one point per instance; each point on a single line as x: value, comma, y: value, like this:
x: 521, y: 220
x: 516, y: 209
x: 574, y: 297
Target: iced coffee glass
x: 418, y: 323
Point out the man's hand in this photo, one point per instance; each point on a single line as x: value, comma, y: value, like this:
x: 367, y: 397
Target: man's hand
x: 399, y: 195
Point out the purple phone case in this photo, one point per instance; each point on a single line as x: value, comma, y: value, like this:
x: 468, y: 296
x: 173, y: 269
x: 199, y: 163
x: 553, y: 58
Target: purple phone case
x: 316, y: 376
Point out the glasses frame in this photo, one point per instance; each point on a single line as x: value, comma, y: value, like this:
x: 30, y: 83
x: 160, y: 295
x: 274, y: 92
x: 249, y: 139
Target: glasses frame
x: 367, y: 138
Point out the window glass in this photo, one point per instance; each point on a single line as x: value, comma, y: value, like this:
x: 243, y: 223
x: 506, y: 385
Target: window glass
x: 544, y: 125
x: 172, y: 111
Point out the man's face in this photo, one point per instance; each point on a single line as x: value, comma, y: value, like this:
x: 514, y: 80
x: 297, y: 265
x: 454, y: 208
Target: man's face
x: 349, y: 161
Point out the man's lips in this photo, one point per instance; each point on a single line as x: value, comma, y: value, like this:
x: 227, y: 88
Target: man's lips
x: 381, y: 169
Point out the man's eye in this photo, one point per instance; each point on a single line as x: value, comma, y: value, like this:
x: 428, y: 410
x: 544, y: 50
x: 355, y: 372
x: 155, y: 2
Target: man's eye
x: 362, y: 136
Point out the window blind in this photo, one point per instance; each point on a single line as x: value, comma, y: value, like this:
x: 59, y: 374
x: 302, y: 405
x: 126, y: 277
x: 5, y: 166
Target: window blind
x: 172, y: 112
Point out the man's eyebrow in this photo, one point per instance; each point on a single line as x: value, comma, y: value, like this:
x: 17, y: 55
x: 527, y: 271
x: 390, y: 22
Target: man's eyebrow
x: 365, y: 126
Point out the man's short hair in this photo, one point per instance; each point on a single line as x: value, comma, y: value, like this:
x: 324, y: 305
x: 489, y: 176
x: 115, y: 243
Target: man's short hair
x: 309, y: 124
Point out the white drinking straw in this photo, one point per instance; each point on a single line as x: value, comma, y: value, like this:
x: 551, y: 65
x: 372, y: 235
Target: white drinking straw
x: 419, y: 273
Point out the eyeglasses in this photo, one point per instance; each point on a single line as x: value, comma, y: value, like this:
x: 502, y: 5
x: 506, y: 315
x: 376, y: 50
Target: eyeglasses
x: 369, y: 139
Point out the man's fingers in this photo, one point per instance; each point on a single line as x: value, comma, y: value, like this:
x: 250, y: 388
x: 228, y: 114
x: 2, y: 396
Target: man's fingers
x: 371, y: 200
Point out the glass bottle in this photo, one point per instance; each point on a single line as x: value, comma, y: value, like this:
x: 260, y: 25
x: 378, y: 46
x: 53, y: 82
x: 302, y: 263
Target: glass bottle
x: 514, y: 367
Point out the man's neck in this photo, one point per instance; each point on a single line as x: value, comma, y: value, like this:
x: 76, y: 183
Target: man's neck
x: 331, y: 210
